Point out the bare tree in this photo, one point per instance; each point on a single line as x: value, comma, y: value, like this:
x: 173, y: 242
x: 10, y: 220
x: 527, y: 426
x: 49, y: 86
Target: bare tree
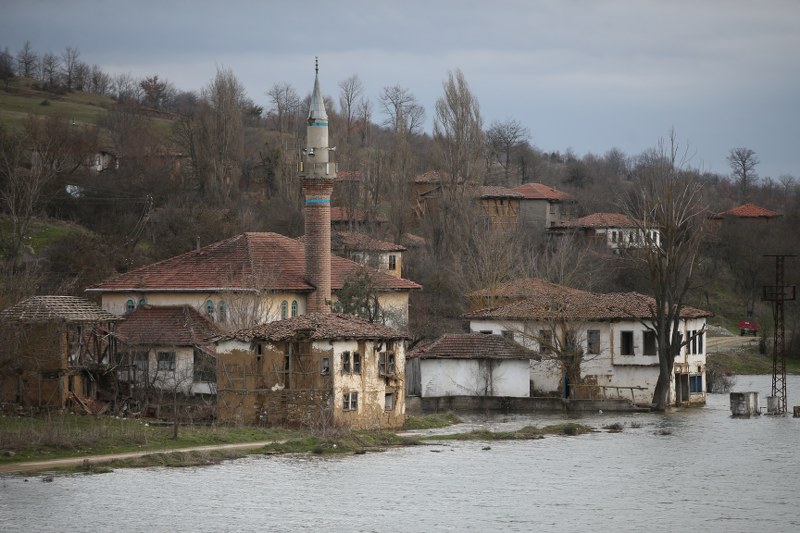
x: 669, y: 199
x: 50, y: 65
x: 743, y: 163
x: 458, y: 130
x: 402, y: 110
x: 6, y: 67
x: 99, y: 81
x: 503, y: 138
x: 364, y: 114
x: 69, y: 62
x: 26, y: 59
x: 285, y: 105
x: 351, y: 90
x: 125, y: 88
x: 156, y: 91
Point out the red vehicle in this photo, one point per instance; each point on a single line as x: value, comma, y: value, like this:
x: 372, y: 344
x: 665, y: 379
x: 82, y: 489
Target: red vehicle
x: 748, y: 327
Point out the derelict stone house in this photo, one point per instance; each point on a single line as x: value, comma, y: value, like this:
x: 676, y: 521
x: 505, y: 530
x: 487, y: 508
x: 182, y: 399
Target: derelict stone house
x: 542, y: 206
x: 55, y: 349
x: 316, y: 369
x: 618, y: 350
x: 167, y: 348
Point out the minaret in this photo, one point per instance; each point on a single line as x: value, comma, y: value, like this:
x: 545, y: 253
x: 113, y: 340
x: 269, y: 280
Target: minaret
x: 317, y: 177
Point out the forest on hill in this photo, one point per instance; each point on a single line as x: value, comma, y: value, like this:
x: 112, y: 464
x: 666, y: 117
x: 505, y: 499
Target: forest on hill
x: 103, y: 173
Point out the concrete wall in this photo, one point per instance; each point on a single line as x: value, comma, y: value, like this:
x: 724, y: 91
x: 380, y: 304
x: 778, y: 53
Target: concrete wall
x: 475, y: 377
x: 417, y: 405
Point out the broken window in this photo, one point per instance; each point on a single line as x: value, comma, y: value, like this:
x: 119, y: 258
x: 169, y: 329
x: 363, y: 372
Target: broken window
x: 649, y: 342
x: 626, y: 343
x: 140, y: 360
x: 130, y: 306
x: 345, y: 362
x: 325, y: 366
x: 166, y: 360
x: 210, y: 308
x: 545, y: 340
x: 386, y: 363
x: 392, y: 262
x: 356, y: 363
x: 350, y: 401
x: 284, y: 310
x: 388, y: 401
x: 593, y: 341
x: 204, y: 369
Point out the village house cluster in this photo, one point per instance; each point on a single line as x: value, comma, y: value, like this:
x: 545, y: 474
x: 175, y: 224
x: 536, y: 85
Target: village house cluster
x: 256, y: 325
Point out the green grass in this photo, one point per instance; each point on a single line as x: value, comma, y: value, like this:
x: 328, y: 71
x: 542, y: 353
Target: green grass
x: 747, y: 362
x: 437, y: 420
x: 61, y: 436
x: 41, y: 232
x: 526, y: 433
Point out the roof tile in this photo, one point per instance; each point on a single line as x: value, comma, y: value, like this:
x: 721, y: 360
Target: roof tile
x: 472, y: 346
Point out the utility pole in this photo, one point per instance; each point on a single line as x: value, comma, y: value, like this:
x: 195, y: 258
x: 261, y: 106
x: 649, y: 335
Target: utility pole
x: 777, y: 294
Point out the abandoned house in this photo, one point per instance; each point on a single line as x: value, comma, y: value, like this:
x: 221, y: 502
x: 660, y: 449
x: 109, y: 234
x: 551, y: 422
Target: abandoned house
x: 56, y: 349
x: 615, y: 231
x: 244, y: 280
x: 591, y: 343
x: 167, y: 348
x: 542, y: 206
x: 315, y: 369
x: 500, y: 207
x: 469, y: 364
x: 380, y: 255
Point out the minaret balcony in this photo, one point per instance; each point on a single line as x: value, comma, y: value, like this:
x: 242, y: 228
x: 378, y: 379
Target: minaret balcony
x: 311, y: 170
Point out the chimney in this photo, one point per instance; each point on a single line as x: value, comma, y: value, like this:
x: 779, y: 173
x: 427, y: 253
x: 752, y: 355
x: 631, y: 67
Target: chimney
x: 317, y: 178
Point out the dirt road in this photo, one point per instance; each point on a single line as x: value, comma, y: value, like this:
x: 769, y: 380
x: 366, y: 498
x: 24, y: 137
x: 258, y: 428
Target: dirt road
x: 38, y: 466
x: 718, y: 344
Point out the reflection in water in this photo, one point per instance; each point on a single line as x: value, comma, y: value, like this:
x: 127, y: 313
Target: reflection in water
x: 694, y: 468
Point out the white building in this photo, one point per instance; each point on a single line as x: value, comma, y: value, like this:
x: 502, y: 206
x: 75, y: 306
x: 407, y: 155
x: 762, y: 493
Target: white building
x: 616, y: 348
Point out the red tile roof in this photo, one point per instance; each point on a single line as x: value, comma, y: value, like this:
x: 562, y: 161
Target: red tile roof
x: 70, y: 309
x: 472, y: 346
x: 317, y: 326
x: 574, y: 304
x: 354, y: 241
x: 343, y: 214
x: 493, y: 191
x: 180, y: 325
x: 539, y: 191
x: 432, y: 176
x: 600, y: 220
x: 749, y: 211
x: 522, y: 288
x: 249, y: 261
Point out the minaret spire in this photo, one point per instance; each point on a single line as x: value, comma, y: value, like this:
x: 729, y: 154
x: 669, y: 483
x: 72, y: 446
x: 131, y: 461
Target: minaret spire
x: 317, y: 177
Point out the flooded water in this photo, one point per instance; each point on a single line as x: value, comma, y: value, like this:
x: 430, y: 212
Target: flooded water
x: 694, y: 469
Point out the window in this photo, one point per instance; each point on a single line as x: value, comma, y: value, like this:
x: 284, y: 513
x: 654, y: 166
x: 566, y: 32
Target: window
x: 392, y: 262
x: 294, y: 307
x: 142, y: 302
x: 626, y: 343
x: 130, y: 305
x: 284, y: 310
x: 593, y: 341
x: 223, y: 311
x: 613, y: 236
x: 700, y: 347
x: 350, y: 401
x: 386, y: 363
x: 508, y: 334
x: 545, y: 341
x: 693, y: 342
x: 696, y: 384
x: 166, y: 360
x: 210, y: 308
x: 356, y: 363
x: 325, y: 366
x: 204, y: 368
x: 345, y: 362
x: 649, y: 342
x: 388, y: 401
x: 140, y: 360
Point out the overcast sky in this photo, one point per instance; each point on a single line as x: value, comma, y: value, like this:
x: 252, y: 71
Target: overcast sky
x: 579, y: 74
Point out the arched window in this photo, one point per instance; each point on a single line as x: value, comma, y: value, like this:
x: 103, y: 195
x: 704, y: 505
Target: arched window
x: 210, y: 308
x: 130, y: 305
x: 284, y: 309
x: 294, y: 307
x: 223, y: 311
x: 142, y: 302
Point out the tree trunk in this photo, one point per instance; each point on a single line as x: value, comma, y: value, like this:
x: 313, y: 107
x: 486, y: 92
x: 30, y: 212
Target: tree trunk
x: 661, y: 393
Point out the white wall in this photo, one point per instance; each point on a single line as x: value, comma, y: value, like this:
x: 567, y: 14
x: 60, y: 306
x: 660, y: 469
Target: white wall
x: 467, y: 377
